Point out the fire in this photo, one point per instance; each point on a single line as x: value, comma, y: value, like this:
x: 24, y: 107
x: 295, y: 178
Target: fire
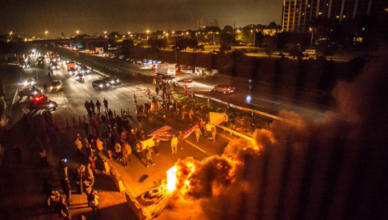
x: 171, y: 179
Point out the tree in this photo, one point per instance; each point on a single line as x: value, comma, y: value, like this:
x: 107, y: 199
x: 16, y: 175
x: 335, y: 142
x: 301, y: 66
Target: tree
x: 228, y: 29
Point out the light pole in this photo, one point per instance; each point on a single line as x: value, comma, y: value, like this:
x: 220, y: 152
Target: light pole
x: 312, y: 36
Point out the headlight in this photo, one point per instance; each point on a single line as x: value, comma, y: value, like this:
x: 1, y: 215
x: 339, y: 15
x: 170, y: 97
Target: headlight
x: 51, y: 105
x: 35, y: 93
x: 25, y: 83
x: 112, y: 81
x: 88, y: 71
x: 59, y: 87
x: 118, y: 80
x: 101, y: 85
x: 51, y: 88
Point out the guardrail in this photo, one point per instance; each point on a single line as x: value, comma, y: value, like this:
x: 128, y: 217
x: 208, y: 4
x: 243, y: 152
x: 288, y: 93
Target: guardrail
x: 274, y: 117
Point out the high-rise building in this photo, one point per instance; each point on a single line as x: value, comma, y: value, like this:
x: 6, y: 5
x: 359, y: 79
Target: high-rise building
x: 298, y: 15
x: 213, y: 23
x: 201, y: 23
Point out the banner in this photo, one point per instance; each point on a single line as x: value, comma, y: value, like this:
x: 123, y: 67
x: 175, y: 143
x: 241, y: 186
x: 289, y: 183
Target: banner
x: 217, y: 118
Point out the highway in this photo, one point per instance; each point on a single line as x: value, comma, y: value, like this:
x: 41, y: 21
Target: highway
x: 266, y: 102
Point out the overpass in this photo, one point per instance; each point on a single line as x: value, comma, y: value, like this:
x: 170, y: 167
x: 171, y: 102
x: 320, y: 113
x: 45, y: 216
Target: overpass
x: 84, y: 43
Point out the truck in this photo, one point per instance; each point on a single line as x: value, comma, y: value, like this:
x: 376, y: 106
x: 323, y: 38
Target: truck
x: 100, y: 50
x: 165, y: 69
x: 70, y: 65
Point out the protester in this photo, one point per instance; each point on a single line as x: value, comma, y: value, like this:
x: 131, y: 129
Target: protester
x: 157, y: 144
x: 181, y: 140
x: 118, y: 151
x: 198, y: 133
x: 105, y: 104
x: 99, y: 145
x: 66, y: 187
x: 98, y: 105
x: 43, y: 157
x: 78, y: 144
x: 54, y: 199
x: 80, y: 178
x: 47, y: 189
x: 174, y: 144
x: 148, y: 154
x: 90, y: 174
x: 93, y: 202
x: 208, y: 128
x: 127, y: 151
x: 214, y: 133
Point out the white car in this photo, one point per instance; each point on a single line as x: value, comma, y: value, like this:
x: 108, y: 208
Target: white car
x: 185, y: 82
x: 29, y: 82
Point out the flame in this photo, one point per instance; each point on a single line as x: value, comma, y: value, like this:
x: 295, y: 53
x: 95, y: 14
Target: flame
x: 171, y: 179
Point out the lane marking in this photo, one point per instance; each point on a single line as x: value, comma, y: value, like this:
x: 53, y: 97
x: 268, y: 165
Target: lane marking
x: 198, y: 148
x: 115, y: 96
x: 88, y: 95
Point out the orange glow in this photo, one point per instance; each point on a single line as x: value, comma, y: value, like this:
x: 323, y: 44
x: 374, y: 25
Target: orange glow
x: 171, y: 179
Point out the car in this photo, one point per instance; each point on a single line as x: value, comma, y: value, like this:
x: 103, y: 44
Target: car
x: 56, y: 86
x: 72, y: 71
x: 113, y: 80
x: 84, y: 70
x: 224, y: 89
x: 100, y: 84
x: 185, y: 82
x: 80, y: 77
x: 41, y: 102
x: 40, y: 60
x: 29, y: 82
x: 28, y: 91
x: 24, y: 64
x: 164, y: 78
x: 54, y: 66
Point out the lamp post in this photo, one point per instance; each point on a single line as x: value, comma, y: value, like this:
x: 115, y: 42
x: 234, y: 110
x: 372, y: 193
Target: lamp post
x: 77, y: 32
x: 46, y: 33
x: 312, y: 36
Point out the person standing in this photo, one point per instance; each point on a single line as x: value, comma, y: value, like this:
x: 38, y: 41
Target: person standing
x: 89, y: 174
x: 98, y: 105
x: 157, y: 90
x: 80, y: 178
x: 85, y: 125
x: 214, y: 133
x: 174, y: 144
x: 148, y: 155
x: 126, y: 154
x: 208, y: 128
x: 118, y: 151
x: 148, y: 92
x: 93, y: 202
x: 54, y: 199
x: 198, y: 133
x: 78, y: 144
x: 87, y: 106
x: 66, y: 187
x: 157, y: 144
x: 181, y: 140
x: 43, y: 157
x: 105, y: 104
x: 191, y: 113
x: 99, y: 145
x: 92, y: 107
x: 134, y: 98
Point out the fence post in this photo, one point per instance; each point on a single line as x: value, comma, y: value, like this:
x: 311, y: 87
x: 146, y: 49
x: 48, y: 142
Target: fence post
x: 67, y: 123
x: 84, y: 118
x: 121, y: 112
x: 114, y: 113
x: 79, y: 120
x: 74, y: 123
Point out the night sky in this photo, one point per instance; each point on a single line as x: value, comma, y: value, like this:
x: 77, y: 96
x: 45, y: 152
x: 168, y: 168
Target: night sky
x: 33, y: 17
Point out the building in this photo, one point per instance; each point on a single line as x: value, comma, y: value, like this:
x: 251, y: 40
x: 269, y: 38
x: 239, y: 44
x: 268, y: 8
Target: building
x: 298, y: 15
x: 203, y: 23
x: 213, y: 23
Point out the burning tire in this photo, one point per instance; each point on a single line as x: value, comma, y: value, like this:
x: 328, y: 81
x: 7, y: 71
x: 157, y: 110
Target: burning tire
x: 152, y: 196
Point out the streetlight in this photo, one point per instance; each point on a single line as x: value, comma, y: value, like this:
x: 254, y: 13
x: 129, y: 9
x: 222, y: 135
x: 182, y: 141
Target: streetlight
x: 254, y: 38
x: 46, y: 33
x: 147, y: 31
x: 312, y: 36
x: 10, y: 33
x: 77, y: 32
